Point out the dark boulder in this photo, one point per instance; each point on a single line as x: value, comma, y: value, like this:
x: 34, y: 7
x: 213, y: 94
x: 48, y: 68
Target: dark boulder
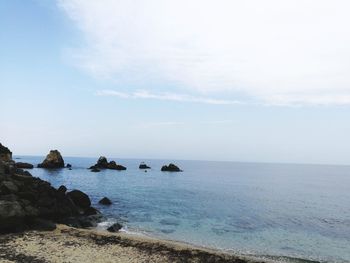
x: 105, y: 201
x: 80, y: 199
x: 115, y: 227
x: 170, y: 168
x: 95, y: 170
x: 53, y: 160
x: 91, y: 211
x: 24, y: 165
x: 144, y: 166
x: 62, y: 189
x: 68, y: 165
x: 39, y: 224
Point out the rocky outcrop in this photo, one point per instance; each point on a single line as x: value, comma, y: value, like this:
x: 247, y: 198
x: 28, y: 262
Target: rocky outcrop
x: 53, y: 160
x: 144, y: 166
x: 5, y: 154
x: 27, y: 202
x: 24, y: 165
x: 170, y: 168
x: 105, y: 201
x: 102, y: 163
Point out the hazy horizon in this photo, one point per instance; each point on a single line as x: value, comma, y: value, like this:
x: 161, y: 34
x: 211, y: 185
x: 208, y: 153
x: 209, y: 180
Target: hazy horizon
x: 244, y: 81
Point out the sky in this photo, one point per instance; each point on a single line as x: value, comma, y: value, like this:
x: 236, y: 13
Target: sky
x: 247, y: 81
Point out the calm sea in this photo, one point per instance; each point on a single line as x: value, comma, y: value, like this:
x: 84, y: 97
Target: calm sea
x: 279, y: 210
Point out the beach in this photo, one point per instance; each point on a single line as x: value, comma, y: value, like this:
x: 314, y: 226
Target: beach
x: 67, y: 244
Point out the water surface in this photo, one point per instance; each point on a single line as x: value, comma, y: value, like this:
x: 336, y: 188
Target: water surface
x: 298, y: 211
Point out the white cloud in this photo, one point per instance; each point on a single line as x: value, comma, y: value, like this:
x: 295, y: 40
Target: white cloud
x: 167, y: 96
x: 273, y: 51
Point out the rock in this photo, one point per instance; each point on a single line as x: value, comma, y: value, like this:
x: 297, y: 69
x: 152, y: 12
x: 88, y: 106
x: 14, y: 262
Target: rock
x: 42, y: 225
x: 114, y: 166
x: 170, y: 168
x: 68, y: 165
x: 95, y: 170
x: 102, y: 163
x: 62, y: 189
x: 53, y: 160
x: 5, y: 154
x: 105, y: 201
x: 8, y: 187
x: 91, y: 211
x: 27, y: 202
x: 144, y: 166
x: 80, y: 199
x: 115, y: 227
x: 24, y: 165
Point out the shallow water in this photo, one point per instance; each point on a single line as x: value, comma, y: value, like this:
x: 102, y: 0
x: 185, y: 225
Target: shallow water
x: 297, y: 211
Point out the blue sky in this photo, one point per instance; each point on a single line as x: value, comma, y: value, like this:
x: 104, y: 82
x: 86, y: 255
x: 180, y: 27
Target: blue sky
x: 137, y: 80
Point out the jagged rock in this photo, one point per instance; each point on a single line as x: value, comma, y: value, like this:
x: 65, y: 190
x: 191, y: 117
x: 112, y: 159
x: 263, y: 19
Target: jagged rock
x: 105, y: 201
x: 52, y: 160
x: 5, y: 154
x: 79, y: 198
x: 144, y: 166
x: 170, y: 168
x: 115, y: 227
x: 24, y: 165
x: 102, y: 163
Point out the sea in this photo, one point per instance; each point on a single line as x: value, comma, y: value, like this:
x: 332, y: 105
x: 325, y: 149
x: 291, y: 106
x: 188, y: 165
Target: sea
x: 282, y: 212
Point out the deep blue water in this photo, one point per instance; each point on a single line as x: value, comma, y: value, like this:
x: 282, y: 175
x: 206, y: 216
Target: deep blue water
x: 298, y: 211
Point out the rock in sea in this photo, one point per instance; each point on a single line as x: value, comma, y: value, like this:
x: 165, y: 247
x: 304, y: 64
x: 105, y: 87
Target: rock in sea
x: 52, y: 160
x: 144, y: 166
x: 24, y: 165
x: 170, y: 168
x: 115, y: 227
x: 105, y: 201
x: 102, y: 163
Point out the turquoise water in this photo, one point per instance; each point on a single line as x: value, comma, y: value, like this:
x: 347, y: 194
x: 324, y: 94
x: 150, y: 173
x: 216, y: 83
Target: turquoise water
x: 297, y: 211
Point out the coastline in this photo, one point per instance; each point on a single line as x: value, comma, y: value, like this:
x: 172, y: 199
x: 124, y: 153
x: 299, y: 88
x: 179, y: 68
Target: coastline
x: 67, y: 244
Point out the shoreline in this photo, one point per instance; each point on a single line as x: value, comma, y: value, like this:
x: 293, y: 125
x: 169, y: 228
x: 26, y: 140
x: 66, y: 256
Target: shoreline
x: 67, y: 244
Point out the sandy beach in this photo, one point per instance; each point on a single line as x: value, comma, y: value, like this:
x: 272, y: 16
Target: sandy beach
x: 66, y: 244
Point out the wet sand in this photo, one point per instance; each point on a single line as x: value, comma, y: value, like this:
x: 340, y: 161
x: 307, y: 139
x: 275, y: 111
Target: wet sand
x: 67, y: 244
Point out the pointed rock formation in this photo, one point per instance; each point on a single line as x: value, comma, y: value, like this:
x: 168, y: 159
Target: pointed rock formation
x: 52, y: 160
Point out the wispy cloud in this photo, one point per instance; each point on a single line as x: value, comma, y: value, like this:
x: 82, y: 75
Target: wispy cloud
x: 276, y: 52
x: 143, y: 94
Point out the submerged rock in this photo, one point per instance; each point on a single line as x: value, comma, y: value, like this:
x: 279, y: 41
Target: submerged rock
x: 105, y: 201
x: 95, y: 170
x: 170, y: 168
x: 68, y: 165
x: 115, y: 227
x: 52, y: 160
x: 24, y: 165
x: 102, y: 163
x: 144, y: 166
